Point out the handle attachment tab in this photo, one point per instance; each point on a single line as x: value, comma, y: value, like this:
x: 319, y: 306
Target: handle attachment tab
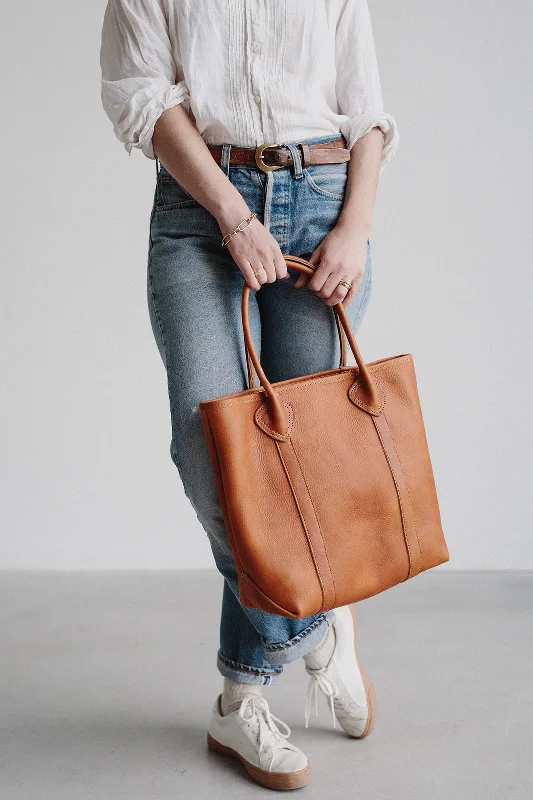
x: 368, y: 396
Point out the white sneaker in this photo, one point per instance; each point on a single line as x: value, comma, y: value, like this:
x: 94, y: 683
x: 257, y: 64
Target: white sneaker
x: 251, y: 735
x: 343, y: 681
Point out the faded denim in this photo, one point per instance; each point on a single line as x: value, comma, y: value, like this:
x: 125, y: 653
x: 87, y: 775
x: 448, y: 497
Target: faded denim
x: 194, y: 294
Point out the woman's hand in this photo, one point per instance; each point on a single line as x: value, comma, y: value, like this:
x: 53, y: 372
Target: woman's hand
x: 254, y: 250
x: 341, y: 256
x: 181, y: 149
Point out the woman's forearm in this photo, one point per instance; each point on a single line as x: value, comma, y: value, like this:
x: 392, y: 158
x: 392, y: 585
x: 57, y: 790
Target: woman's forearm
x: 182, y: 151
x: 363, y: 175
x: 342, y: 255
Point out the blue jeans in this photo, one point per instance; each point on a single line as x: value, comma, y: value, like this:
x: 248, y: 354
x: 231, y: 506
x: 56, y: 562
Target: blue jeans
x: 194, y: 296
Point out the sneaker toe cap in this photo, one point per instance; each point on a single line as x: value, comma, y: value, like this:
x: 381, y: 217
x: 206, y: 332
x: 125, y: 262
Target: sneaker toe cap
x: 289, y: 761
x: 354, y: 724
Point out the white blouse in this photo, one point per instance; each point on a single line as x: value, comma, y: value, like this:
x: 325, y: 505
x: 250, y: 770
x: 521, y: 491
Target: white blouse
x: 251, y: 71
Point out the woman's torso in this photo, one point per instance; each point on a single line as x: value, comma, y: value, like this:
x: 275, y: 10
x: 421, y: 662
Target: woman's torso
x: 258, y: 70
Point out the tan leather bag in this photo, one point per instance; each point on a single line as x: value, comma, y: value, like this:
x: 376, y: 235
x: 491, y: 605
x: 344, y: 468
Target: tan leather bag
x: 325, y: 481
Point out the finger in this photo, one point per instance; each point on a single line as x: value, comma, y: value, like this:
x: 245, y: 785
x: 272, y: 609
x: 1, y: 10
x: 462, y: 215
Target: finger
x: 260, y: 272
x: 320, y: 277
x: 303, y: 278
x: 280, y: 266
x: 330, y: 285
x: 270, y: 269
x: 247, y: 270
x: 337, y: 296
x: 315, y: 257
x: 251, y: 278
x: 349, y: 297
x: 356, y: 283
x: 248, y: 273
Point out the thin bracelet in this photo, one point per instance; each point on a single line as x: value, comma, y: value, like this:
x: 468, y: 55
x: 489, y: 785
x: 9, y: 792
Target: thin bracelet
x: 240, y: 227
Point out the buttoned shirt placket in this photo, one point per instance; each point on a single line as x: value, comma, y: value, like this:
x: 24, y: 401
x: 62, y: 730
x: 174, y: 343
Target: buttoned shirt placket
x: 255, y: 47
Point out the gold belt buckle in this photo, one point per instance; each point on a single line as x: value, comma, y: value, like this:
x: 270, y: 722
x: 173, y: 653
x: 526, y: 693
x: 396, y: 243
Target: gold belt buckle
x: 259, y: 158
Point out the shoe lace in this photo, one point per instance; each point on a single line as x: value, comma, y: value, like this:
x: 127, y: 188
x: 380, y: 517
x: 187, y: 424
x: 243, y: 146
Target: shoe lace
x: 255, y: 709
x: 318, y: 679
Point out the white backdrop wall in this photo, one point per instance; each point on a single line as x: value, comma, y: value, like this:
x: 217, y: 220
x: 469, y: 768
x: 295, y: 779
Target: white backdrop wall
x: 87, y: 478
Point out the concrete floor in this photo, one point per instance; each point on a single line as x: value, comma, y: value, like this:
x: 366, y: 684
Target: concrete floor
x: 107, y: 682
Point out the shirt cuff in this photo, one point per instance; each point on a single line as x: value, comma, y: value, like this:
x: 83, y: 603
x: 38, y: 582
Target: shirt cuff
x: 174, y: 96
x: 356, y: 127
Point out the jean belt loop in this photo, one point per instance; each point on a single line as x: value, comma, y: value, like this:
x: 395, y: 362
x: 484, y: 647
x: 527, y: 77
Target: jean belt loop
x: 296, y: 161
x: 157, y: 167
x: 224, y: 160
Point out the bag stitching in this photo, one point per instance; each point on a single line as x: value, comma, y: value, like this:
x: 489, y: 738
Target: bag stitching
x: 355, y: 399
x: 398, y: 494
x: 332, y: 379
x: 260, y: 413
x: 408, y: 492
x: 257, y: 588
x: 318, y: 525
x: 317, y: 568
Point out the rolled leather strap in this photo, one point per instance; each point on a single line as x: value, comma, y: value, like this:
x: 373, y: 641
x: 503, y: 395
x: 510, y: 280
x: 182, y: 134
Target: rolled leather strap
x: 334, y: 152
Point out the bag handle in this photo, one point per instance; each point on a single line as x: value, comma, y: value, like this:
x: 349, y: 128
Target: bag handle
x: 342, y: 360
x: 370, y: 396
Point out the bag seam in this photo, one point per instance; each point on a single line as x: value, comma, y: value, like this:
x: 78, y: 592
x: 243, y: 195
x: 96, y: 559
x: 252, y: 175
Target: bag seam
x: 398, y: 494
x: 318, y: 525
x: 326, y: 379
x: 309, y: 542
x: 408, y: 492
x: 262, y: 410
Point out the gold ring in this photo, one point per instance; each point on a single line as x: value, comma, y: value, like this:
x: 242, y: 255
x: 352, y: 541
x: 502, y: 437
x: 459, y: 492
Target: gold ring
x: 345, y: 283
x: 258, y: 271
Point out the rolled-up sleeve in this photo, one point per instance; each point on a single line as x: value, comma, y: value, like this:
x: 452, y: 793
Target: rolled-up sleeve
x: 358, y: 84
x: 141, y: 76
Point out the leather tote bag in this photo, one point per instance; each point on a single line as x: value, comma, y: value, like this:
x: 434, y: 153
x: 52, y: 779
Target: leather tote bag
x: 325, y: 481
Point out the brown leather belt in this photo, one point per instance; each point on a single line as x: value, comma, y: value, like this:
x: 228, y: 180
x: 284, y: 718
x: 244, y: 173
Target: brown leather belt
x: 268, y: 157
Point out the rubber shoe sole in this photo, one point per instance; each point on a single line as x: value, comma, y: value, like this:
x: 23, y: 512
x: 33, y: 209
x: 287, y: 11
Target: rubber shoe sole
x: 282, y: 781
x: 370, y: 691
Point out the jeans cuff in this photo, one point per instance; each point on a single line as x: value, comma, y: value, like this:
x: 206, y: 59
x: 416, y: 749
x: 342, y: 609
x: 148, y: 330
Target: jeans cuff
x: 242, y: 673
x: 301, y: 644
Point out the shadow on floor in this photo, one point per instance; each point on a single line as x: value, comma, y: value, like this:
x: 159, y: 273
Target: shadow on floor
x: 108, y: 682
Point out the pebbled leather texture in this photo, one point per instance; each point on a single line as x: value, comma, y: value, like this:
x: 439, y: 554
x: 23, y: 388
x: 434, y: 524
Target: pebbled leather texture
x: 325, y: 482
